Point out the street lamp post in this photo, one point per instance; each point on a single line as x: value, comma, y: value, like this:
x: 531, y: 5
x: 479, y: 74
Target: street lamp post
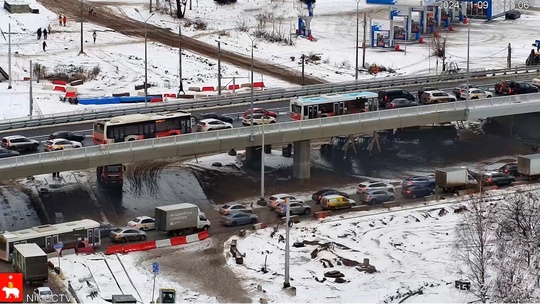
x: 9, y: 56
x: 468, y: 54
x: 145, y: 57
x: 251, y: 138
x: 82, y: 38
x: 219, y: 64
x: 357, y: 34
x: 287, y: 283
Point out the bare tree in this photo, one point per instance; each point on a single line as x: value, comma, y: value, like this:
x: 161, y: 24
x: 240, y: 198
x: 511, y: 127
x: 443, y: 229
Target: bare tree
x: 474, y: 235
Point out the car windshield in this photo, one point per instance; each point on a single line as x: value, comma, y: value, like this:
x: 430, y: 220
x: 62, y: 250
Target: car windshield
x: 226, y: 206
x: 45, y: 292
x: 136, y: 220
x: 117, y: 230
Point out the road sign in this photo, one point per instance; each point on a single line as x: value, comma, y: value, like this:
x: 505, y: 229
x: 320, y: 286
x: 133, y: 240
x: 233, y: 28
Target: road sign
x: 155, y: 267
x: 58, y: 247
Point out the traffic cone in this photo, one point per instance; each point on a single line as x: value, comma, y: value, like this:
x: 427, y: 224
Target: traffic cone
x: 397, y: 47
x: 465, y: 21
x: 421, y: 40
x: 450, y: 28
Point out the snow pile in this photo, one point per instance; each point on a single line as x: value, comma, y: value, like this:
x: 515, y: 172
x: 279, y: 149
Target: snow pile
x: 96, y: 278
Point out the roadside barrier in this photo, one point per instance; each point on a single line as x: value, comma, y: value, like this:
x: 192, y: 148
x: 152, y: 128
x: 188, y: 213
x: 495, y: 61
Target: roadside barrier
x: 259, y: 226
x: 322, y: 214
x: 143, y: 246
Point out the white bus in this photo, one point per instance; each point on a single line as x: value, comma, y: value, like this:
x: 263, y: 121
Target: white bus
x: 333, y: 104
x: 76, y: 234
x: 141, y: 126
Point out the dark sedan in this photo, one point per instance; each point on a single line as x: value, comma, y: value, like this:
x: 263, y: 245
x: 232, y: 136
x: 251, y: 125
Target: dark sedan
x: 317, y: 196
x: 427, y: 181
x: 67, y: 135
x: 239, y: 218
x: 401, y: 103
x: 8, y: 153
x: 510, y: 168
x: 218, y: 117
x: 497, y: 179
x: 417, y: 191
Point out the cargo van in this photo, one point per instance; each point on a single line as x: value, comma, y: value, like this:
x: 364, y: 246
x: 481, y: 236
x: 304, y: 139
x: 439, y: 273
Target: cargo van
x: 333, y: 202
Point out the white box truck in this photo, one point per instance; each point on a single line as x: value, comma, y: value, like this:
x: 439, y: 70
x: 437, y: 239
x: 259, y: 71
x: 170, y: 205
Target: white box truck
x: 181, y: 219
x: 30, y: 260
x: 529, y: 165
x: 454, y: 179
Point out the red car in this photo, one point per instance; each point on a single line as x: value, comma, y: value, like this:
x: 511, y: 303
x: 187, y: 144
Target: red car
x: 260, y: 111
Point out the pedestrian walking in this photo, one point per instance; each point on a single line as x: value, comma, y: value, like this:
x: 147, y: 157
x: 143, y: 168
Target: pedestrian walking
x: 45, y: 34
x: 64, y: 19
x: 60, y: 20
x: 44, y: 45
x: 39, y: 33
x: 94, y: 35
x: 49, y: 28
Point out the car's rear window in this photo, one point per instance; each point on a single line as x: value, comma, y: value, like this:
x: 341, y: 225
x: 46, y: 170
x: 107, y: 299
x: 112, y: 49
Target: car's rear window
x: 117, y: 230
x: 49, y: 142
x: 136, y: 220
x: 226, y: 206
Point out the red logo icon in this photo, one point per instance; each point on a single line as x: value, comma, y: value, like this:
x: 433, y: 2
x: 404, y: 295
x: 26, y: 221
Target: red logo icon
x: 11, y: 288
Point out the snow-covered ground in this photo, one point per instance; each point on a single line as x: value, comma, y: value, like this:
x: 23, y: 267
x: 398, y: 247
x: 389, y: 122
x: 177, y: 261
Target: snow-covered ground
x: 120, y: 59
x: 96, y: 277
x: 410, y: 249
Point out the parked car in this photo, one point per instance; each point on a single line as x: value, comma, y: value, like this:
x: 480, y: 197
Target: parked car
x: 105, y: 229
x: 4, y: 153
x: 519, y: 88
x: 386, y: 96
x: 377, y: 196
x: 258, y: 119
x: 226, y: 209
x: 422, y: 90
x: 212, y: 124
x: 401, y: 103
x: 317, y: 196
x: 67, y: 135
x: 333, y: 202
x: 61, y: 144
x: 512, y: 15
x: 475, y: 93
x: 217, y: 116
x: 430, y: 97
x: 239, y: 218
x: 427, y: 181
x: 43, y: 295
x: 497, y: 179
x: 458, y: 89
x: 297, y: 207
x: 510, y: 169
x: 276, y: 199
x: 143, y: 223
x: 261, y: 111
x: 373, y: 185
x: 19, y: 143
x: 127, y: 234
x: 417, y: 191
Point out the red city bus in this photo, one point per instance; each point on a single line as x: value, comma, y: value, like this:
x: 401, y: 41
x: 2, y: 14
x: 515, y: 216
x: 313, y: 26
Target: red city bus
x: 332, y: 104
x: 142, y: 126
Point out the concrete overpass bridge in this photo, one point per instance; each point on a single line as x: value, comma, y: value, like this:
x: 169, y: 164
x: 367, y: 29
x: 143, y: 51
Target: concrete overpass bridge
x: 300, y: 133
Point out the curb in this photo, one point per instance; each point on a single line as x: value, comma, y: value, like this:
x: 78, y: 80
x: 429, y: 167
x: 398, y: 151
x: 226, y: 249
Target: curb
x: 144, y: 246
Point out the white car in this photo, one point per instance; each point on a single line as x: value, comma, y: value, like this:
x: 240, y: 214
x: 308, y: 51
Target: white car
x: 142, y: 223
x: 374, y: 185
x: 536, y: 82
x: 43, y: 295
x: 276, y: 199
x: 258, y: 119
x: 476, y: 94
x: 61, y: 144
x: 211, y: 124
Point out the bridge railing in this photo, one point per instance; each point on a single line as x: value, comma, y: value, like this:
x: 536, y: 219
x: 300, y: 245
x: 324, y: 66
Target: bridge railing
x: 56, y: 156
x: 272, y: 94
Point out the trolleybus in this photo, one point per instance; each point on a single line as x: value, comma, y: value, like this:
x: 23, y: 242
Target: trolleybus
x: 76, y: 234
x: 141, y: 126
x: 333, y: 104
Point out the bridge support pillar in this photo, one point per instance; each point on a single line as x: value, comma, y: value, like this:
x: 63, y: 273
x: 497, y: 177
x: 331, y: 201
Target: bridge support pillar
x: 253, y: 157
x: 302, y: 160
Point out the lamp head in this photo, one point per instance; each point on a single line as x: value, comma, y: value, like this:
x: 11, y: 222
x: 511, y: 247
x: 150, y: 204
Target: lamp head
x: 137, y: 10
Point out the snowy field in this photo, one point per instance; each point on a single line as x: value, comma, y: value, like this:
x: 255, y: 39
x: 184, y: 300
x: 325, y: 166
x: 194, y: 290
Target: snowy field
x: 120, y: 59
x: 410, y: 249
x: 96, y: 277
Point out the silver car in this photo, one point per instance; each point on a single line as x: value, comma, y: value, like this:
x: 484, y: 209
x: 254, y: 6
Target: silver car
x: 297, y: 207
x: 377, y: 196
x: 127, y: 234
x: 226, y: 209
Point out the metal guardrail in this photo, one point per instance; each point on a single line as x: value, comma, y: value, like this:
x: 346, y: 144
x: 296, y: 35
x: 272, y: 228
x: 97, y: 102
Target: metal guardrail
x: 273, y: 94
x: 57, y: 156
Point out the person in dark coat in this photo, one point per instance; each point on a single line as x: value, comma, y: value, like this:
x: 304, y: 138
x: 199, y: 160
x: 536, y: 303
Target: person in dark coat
x: 64, y: 19
x: 94, y: 35
x: 60, y: 20
x: 44, y: 45
x: 39, y: 33
x: 49, y: 28
x: 45, y: 34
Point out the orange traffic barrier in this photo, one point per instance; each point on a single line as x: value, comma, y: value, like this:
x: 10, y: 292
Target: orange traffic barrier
x: 59, y: 88
x: 132, y: 247
x: 148, y: 245
x: 179, y: 240
x: 71, y: 95
x: 259, y: 84
x: 59, y: 82
x: 169, y: 95
x: 233, y: 87
x: 156, y: 99
x: 207, y: 89
x: 203, y: 235
x: 321, y: 214
x: 115, y: 249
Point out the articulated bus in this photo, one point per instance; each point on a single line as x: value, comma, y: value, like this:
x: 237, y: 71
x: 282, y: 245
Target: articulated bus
x: 76, y: 234
x: 333, y: 104
x: 141, y: 126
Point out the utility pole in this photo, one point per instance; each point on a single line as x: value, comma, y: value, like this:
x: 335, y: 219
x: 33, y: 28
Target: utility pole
x: 303, y: 61
x: 181, y: 87
x: 509, y: 58
x: 151, y: 6
x: 30, y: 91
x: 468, y: 51
x: 357, y: 30
x: 364, y: 43
x: 9, y: 56
x: 190, y: 4
x: 82, y: 36
x: 287, y: 283
x: 444, y: 55
x: 218, y: 63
